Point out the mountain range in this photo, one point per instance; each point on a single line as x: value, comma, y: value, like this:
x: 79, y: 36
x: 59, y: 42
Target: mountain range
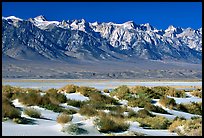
x: 82, y: 44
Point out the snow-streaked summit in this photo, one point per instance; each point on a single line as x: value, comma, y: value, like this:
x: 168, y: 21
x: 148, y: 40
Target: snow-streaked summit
x: 129, y: 39
x: 12, y: 18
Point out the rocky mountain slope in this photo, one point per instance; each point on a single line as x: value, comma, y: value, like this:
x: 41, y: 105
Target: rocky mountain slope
x: 77, y: 42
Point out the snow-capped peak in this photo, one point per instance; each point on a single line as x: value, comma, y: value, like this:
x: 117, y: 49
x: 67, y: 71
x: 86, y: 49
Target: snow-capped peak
x: 170, y: 28
x: 40, y: 18
x: 129, y: 25
x: 42, y: 23
x: 12, y: 18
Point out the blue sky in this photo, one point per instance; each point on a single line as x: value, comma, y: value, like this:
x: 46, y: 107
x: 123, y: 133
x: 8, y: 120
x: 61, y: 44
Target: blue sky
x: 158, y: 14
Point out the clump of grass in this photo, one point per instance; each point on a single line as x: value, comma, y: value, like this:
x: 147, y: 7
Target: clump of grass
x: 103, y: 99
x: 75, y: 103
x: 55, y: 97
x: 88, y: 111
x: 86, y: 91
x: 30, y: 98
x: 69, y: 111
x: 156, y: 109
x: 169, y: 91
x: 32, y: 112
x: 193, y: 108
x: 53, y: 107
x: 157, y: 122
x: 106, y: 90
x: 9, y: 110
x: 145, y: 90
x: 107, y: 123
x: 63, y: 118
x: 121, y: 92
x: 167, y: 102
x: 74, y: 129
x: 197, y: 93
x: 70, y: 88
x: 189, y: 127
x: 138, y: 102
x: 144, y: 113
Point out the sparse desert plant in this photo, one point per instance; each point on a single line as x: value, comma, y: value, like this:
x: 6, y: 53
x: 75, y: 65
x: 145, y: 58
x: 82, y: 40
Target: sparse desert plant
x: 8, y: 109
x: 70, y: 88
x: 99, y: 98
x: 189, y: 127
x: 145, y: 90
x: 75, y: 103
x: 132, y: 113
x: 193, y: 108
x: 69, y: 111
x: 138, y: 102
x: 30, y: 98
x: 144, y: 113
x: 55, y: 98
x: 106, y: 90
x: 74, y: 129
x: 197, y: 93
x: 53, y: 107
x: 63, y: 118
x: 121, y: 92
x: 154, y: 108
x: 32, y: 112
x: 167, y: 102
x: 157, y: 122
x: 107, y: 123
x: 52, y: 90
x: 86, y: 90
x: 169, y: 91
x: 87, y: 110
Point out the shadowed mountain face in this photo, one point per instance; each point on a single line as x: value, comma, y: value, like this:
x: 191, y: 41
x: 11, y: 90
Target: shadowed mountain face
x: 89, y: 47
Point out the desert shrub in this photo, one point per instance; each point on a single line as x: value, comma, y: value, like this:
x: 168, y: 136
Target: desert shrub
x: 13, y: 89
x: 174, y: 126
x: 51, y: 90
x: 87, y: 90
x: 189, y: 127
x: 9, y: 91
x: 30, y: 98
x: 138, y: 102
x: 74, y: 129
x: 8, y: 110
x: 75, y: 103
x: 144, y: 113
x: 169, y: 91
x: 167, y: 102
x: 53, y: 107
x: 132, y: 113
x: 154, y: 108
x: 63, y: 118
x: 193, y: 108
x: 32, y: 112
x: 197, y: 93
x: 30, y: 90
x: 106, y: 90
x: 145, y: 90
x: 69, y: 111
x: 157, y: 122
x: 107, y: 123
x: 121, y: 92
x: 99, y: 98
x: 55, y: 98
x: 70, y: 88
x: 87, y: 111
